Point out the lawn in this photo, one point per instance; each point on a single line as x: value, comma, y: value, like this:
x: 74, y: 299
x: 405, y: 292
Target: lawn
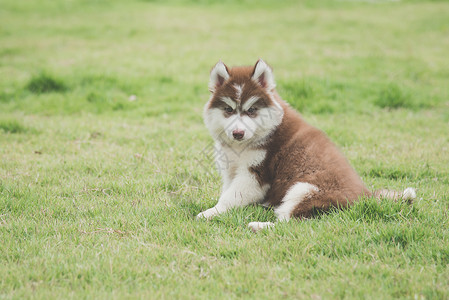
x: 105, y: 160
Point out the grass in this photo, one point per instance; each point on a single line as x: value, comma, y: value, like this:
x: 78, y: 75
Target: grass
x: 44, y: 83
x: 105, y: 160
x: 12, y: 126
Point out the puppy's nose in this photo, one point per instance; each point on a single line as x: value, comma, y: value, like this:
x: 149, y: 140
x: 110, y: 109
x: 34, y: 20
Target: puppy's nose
x: 238, y: 134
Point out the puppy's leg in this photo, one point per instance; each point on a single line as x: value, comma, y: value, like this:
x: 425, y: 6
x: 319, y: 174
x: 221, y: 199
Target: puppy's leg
x: 242, y: 191
x: 294, y: 196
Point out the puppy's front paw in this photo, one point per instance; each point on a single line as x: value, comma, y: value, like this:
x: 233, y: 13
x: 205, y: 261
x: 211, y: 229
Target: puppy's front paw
x: 207, y: 214
x: 200, y: 216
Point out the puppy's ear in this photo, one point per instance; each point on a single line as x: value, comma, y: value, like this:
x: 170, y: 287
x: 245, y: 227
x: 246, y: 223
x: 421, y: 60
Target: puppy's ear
x: 218, y: 76
x: 263, y: 75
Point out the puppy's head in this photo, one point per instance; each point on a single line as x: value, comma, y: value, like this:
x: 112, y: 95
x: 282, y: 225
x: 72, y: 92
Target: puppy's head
x: 242, y: 109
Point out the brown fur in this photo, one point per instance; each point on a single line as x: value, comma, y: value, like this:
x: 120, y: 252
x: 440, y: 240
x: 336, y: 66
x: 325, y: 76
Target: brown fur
x: 298, y: 152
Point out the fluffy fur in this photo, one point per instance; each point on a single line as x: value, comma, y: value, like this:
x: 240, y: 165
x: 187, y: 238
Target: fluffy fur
x: 267, y: 153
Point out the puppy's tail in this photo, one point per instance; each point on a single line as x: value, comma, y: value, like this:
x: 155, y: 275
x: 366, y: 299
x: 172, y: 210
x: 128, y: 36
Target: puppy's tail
x: 409, y: 194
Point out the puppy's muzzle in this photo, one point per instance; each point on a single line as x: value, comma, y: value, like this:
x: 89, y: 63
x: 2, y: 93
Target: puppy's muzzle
x: 238, y: 134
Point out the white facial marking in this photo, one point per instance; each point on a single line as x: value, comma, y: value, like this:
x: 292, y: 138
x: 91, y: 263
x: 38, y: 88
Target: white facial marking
x: 229, y: 102
x: 276, y: 103
x: 256, y: 129
x: 250, y: 102
x: 295, y: 195
x: 239, y: 90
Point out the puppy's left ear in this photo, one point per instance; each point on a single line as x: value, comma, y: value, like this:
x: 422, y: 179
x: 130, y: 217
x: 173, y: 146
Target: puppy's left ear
x: 263, y: 75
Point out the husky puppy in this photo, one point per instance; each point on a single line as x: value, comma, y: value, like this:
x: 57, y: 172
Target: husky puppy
x: 267, y: 154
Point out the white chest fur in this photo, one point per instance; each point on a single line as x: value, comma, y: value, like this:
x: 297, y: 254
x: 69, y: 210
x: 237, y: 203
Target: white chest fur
x: 234, y: 163
x: 240, y: 186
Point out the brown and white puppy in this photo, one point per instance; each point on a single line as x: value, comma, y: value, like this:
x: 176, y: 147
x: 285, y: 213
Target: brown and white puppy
x: 267, y: 154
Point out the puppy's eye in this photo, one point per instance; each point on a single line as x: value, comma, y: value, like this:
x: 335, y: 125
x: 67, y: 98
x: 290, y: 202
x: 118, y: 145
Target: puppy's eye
x: 228, y: 109
x: 251, y: 111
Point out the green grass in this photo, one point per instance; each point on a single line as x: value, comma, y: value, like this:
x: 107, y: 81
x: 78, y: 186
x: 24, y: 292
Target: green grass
x: 105, y: 160
x: 44, y: 83
x: 12, y: 126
